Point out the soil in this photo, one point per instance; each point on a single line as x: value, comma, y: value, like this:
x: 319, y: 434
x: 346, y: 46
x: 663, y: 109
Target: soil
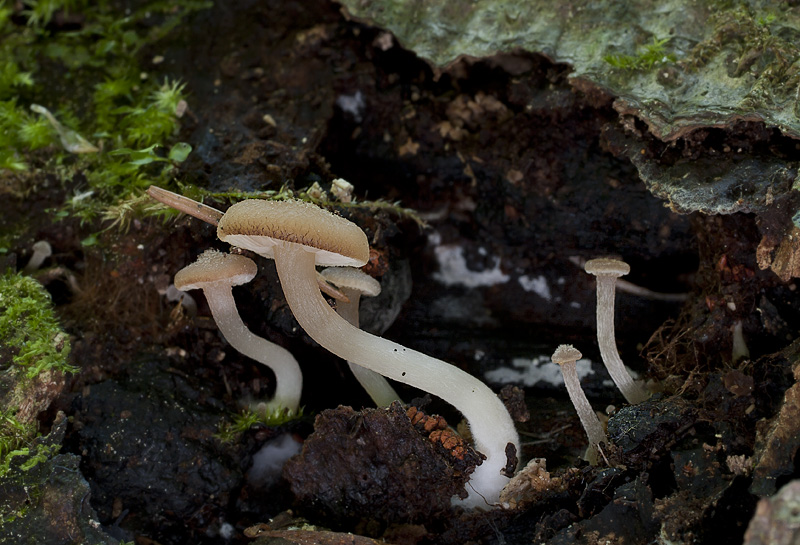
x: 520, y: 177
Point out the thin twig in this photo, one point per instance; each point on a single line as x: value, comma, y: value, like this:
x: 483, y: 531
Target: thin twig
x: 186, y: 205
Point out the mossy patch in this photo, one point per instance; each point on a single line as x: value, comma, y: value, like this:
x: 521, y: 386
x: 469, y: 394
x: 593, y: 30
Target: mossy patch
x: 31, y: 339
x: 84, y: 62
x: 34, y: 354
x: 232, y: 429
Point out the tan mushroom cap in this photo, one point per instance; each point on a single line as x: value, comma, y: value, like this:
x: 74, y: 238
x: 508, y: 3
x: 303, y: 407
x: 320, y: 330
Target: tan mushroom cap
x: 257, y: 225
x: 605, y: 266
x: 215, y: 267
x: 566, y: 353
x: 43, y: 247
x: 354, y: 279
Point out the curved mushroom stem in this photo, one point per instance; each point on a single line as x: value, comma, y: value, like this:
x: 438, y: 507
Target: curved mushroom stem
x: 589, y: 420
x: 288, y: 378
x: 491, y: 426
x: 374, y: 383
x: 633, y: 392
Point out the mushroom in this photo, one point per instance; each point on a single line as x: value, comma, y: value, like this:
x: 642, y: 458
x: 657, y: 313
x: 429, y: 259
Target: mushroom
x: 216, y: 273
x: 354, y: 283
x: 566, y: 357
x: 41, y: 251
x: 607, y: 271
x: 299, y: 236
x: 211, y: 216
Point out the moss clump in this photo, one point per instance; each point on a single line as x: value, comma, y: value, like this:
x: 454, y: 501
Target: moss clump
x: 15, y: 436
x: 240, y: 423
x: 285, y: 193
x: 83, y: 61
x: 32, y: 343
x: 652, y: 55
x: 31, y: 340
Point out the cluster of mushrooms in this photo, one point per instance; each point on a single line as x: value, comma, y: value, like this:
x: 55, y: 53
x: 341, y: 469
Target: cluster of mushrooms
x: 566, y: 356
x: 300, y: 236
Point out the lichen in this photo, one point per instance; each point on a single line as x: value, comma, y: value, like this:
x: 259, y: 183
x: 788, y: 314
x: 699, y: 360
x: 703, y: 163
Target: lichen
x: 731, y: 60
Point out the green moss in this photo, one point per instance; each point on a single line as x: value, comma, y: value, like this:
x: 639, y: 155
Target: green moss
x: 31, y: 339
x: 31, y: 342
x: 14, y: 438
x: 33, y: 456
x: 651, y: 55
x: 93, y: 81
x: 285, y: 193
x: 231, y: 430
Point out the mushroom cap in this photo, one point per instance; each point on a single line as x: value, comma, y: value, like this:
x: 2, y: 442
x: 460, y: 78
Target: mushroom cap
x: 566, y: 353
x: 43, y: 247
x: 258, y: 225
x: 605, y: 266
x: 352, y: 278
x: 215, y: 267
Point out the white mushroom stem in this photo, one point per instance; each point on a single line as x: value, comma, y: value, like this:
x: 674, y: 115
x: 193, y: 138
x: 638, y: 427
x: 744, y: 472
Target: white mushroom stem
x: 374, y: 383
x: 490, y: 424
x: 633, y: 392
x: 288, y: 378
x: 589, y: 420
x: 740, y: 350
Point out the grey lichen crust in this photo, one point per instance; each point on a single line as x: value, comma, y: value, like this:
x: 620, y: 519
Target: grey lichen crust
x: 678, y: 66
x: 730, y: 63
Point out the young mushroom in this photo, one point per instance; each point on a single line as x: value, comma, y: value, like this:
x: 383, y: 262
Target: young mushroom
x: 566, y: 357
x: 607, y: 271
x: 216, y: 273
x: 71, y: 140
x: 354, y: 283
x: 300, y: 236
x: 41, y: 251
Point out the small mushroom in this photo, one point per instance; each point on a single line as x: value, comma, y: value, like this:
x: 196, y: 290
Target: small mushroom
x: 211, y: 216
x: 566, y: 357
x: 354, y: 283
x: 299, y: 236
x: 216, y: 273
x: 607, y: 271
x: 41, y: 251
